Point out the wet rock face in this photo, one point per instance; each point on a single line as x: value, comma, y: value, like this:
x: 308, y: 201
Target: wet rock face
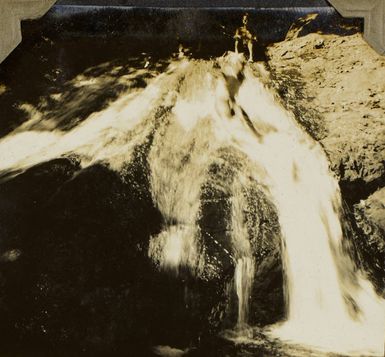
x: 267, y: 299
x: 370, y: 218
x: 75, y: 272
x: 78, y: 280
x: 262, y: 229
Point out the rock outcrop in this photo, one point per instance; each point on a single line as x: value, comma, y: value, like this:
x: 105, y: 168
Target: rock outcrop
x: 75, y: 274
x: 370, y: 218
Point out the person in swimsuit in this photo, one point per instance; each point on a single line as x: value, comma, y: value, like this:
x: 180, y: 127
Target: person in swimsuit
x: 243, y: 35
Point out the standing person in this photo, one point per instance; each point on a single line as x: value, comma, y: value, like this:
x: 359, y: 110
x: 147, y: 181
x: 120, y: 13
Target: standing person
x: 245, y: 36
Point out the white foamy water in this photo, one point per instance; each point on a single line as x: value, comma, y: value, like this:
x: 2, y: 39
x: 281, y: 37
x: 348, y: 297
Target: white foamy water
x: 244, y: 268
x: 193, y: 110
x: 244, y: 274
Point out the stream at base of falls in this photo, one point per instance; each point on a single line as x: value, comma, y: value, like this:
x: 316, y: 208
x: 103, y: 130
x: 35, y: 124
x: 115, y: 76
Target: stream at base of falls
x: 225, y: 164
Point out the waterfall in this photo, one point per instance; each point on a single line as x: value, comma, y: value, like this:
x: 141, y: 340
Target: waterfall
x: 186, y: 116
x: 244, y: 274
x: 244, y: 268
x: 326, y: 309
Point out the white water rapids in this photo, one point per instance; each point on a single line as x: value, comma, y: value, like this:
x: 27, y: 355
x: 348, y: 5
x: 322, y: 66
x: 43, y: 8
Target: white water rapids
x: 193, y: 110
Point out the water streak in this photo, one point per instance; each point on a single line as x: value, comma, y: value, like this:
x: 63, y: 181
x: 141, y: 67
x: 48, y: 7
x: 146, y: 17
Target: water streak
x: 244, y: 268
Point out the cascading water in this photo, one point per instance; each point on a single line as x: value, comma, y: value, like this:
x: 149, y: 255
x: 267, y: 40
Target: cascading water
x: 244, y: 268
x: 244, y: 274
x: 191, y: 112
x: 307, y: 198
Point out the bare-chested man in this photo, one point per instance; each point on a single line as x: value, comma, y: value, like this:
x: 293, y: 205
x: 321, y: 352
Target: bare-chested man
x: 245, y: 36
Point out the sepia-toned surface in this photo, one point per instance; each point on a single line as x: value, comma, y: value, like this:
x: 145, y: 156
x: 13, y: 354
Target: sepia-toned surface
x: 11, y: 13
x: 339, y: 82
x: 159, y: 200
